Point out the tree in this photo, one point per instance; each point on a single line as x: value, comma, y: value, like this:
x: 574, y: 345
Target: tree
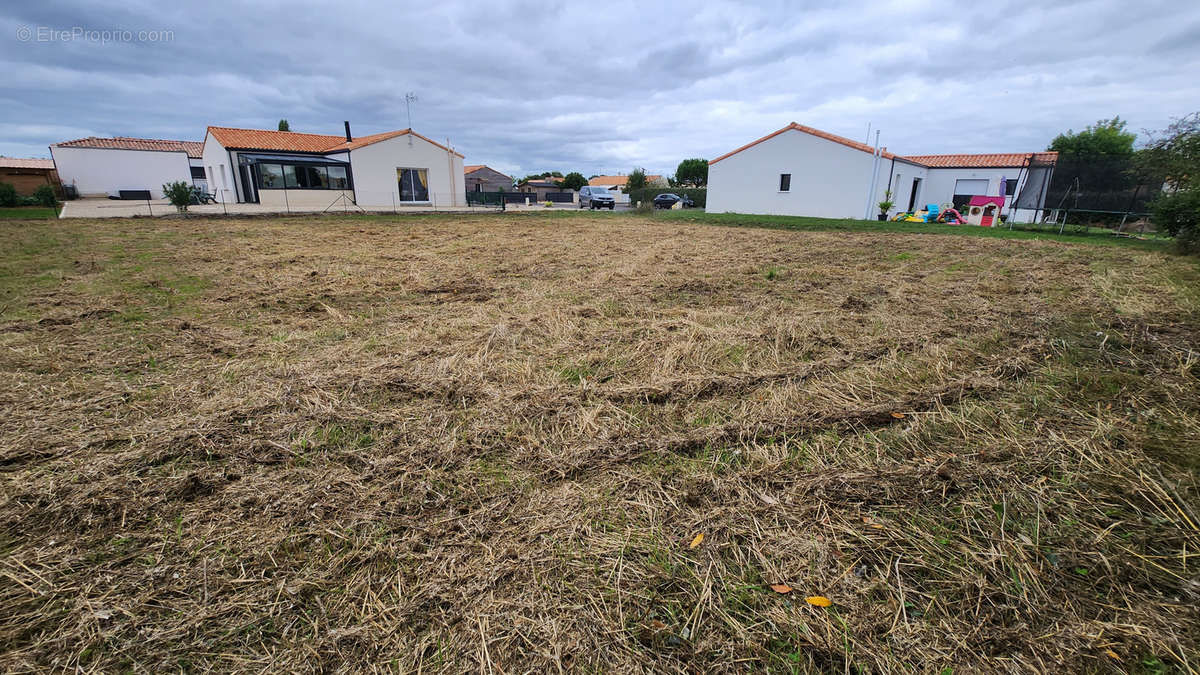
x: 283, y: 125
x: 552, y: 176
x: 574, y: 181
x: 179, y: 193
x: 1104, y: 138
x: 636, y: 180
x: 1174, y: 154
x: 692, y: 172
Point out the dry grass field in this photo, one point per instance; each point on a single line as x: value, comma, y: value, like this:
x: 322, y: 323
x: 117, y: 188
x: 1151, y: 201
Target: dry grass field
x: 490, y: 443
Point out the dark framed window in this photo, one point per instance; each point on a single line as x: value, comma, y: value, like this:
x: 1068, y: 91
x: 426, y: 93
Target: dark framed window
x: 197, y: 172
x: 785, y: 182
x: 1010, y: 187
x: 414, y: 184
x: 270, y: 176
x: 276, y: 175
x: 337, y: 178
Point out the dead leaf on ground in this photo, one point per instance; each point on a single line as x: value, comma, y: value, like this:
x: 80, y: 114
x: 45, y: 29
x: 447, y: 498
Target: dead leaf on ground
x: 1112, y: 655
x: 781, y: 588
x: 696, y: 541
x: 818, y: 601
x: 898, y: 415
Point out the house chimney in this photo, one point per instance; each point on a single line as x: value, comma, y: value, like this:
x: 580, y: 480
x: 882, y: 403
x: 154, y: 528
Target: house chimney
x: 347, y: 123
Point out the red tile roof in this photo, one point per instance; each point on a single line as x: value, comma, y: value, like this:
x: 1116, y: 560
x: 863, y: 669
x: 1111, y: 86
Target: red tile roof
x: 808, y: 130
x: 472, y: 168
x: 294, y: 141
x: 996, y: 160
x: 991, y: 160
x: 608, y: 181
x: 21, y: 163
x: 192, y: 148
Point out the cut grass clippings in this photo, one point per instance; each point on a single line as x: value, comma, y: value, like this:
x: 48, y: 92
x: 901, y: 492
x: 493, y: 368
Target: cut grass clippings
x: 533, y: 442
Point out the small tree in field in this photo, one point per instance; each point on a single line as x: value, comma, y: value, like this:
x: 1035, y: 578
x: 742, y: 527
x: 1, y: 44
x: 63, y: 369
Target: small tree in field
x: 179, y: 194
x: 636, y: 180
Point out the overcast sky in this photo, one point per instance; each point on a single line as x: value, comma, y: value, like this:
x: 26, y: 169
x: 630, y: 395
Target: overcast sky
x: 599, y: 87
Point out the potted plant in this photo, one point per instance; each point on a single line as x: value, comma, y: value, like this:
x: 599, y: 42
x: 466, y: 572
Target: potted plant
x: 885, y: 205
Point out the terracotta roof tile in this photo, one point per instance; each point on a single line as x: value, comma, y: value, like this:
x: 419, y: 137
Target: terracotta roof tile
x: 814, y: 132
x: 472, y: 168
x: 932, y: 161
x: 192, y: 148
x: 294, y: 141
x: 602, y: 181
x: 21, y: 163
x: 981, y: 161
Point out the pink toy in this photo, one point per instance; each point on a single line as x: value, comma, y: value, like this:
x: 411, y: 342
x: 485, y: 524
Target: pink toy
x: 982, y: 210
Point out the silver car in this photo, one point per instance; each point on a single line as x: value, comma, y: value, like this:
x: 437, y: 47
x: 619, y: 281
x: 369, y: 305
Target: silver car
x: 596, y: 197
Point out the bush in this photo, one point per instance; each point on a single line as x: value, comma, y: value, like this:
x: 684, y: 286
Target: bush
x: 698, y: 195
x: 1179, y: 215
x: 45, y: 196
x: 8, y: 194
x: 179, y: 194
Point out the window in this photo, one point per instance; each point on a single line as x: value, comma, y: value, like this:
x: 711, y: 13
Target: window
x: 1010, y: 187
x: 302, y: 176
x: 197, y: 172
x: 414, y: 185
x: 270, y: 176
x: 223, y: 183
x: 785, y: 182
x: 337, y: 178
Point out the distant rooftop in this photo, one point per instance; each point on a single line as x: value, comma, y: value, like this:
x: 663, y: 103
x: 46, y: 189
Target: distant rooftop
x: 192, y: 148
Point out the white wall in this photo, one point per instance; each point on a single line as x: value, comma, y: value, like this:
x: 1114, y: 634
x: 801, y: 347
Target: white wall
x: 214, y: 157
x: 942, y: 182
x: 829, y: 180
x: 303, y: 199
x: 902, y: 176
x: 374, y: 167
x: 99, y: 171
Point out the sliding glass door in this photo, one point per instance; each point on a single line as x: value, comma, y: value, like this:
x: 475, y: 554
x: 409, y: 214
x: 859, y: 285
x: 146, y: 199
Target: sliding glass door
x: 414, y: 185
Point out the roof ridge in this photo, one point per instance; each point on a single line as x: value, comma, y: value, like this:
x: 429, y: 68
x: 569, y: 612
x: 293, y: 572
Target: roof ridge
x: 277, y: 131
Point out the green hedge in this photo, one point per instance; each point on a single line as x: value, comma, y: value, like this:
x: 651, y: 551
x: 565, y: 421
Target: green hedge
x: 698, y: 195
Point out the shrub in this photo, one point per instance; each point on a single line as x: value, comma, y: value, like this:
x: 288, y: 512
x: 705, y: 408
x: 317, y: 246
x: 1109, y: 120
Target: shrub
x: 45, y: 196
x: 1179, y: 215
x: 8, y: 194
x: 179, y: 194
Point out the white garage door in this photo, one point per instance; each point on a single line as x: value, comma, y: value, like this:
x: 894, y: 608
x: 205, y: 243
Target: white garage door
x: 971, y: 186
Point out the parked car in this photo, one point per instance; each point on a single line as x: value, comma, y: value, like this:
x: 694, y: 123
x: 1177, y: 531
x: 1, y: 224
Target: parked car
x: 595, y: 197
x: 668, y: 200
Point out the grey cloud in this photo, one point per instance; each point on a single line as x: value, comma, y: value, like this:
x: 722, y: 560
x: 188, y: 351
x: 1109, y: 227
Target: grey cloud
x: 576, y: 86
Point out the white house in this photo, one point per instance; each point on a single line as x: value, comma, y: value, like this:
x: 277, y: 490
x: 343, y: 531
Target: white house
x: 802, y: 171
x: 99, y: 167
x: 290, y: 169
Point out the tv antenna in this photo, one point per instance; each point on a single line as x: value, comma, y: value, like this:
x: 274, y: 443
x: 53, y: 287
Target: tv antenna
x: 409, y: 99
